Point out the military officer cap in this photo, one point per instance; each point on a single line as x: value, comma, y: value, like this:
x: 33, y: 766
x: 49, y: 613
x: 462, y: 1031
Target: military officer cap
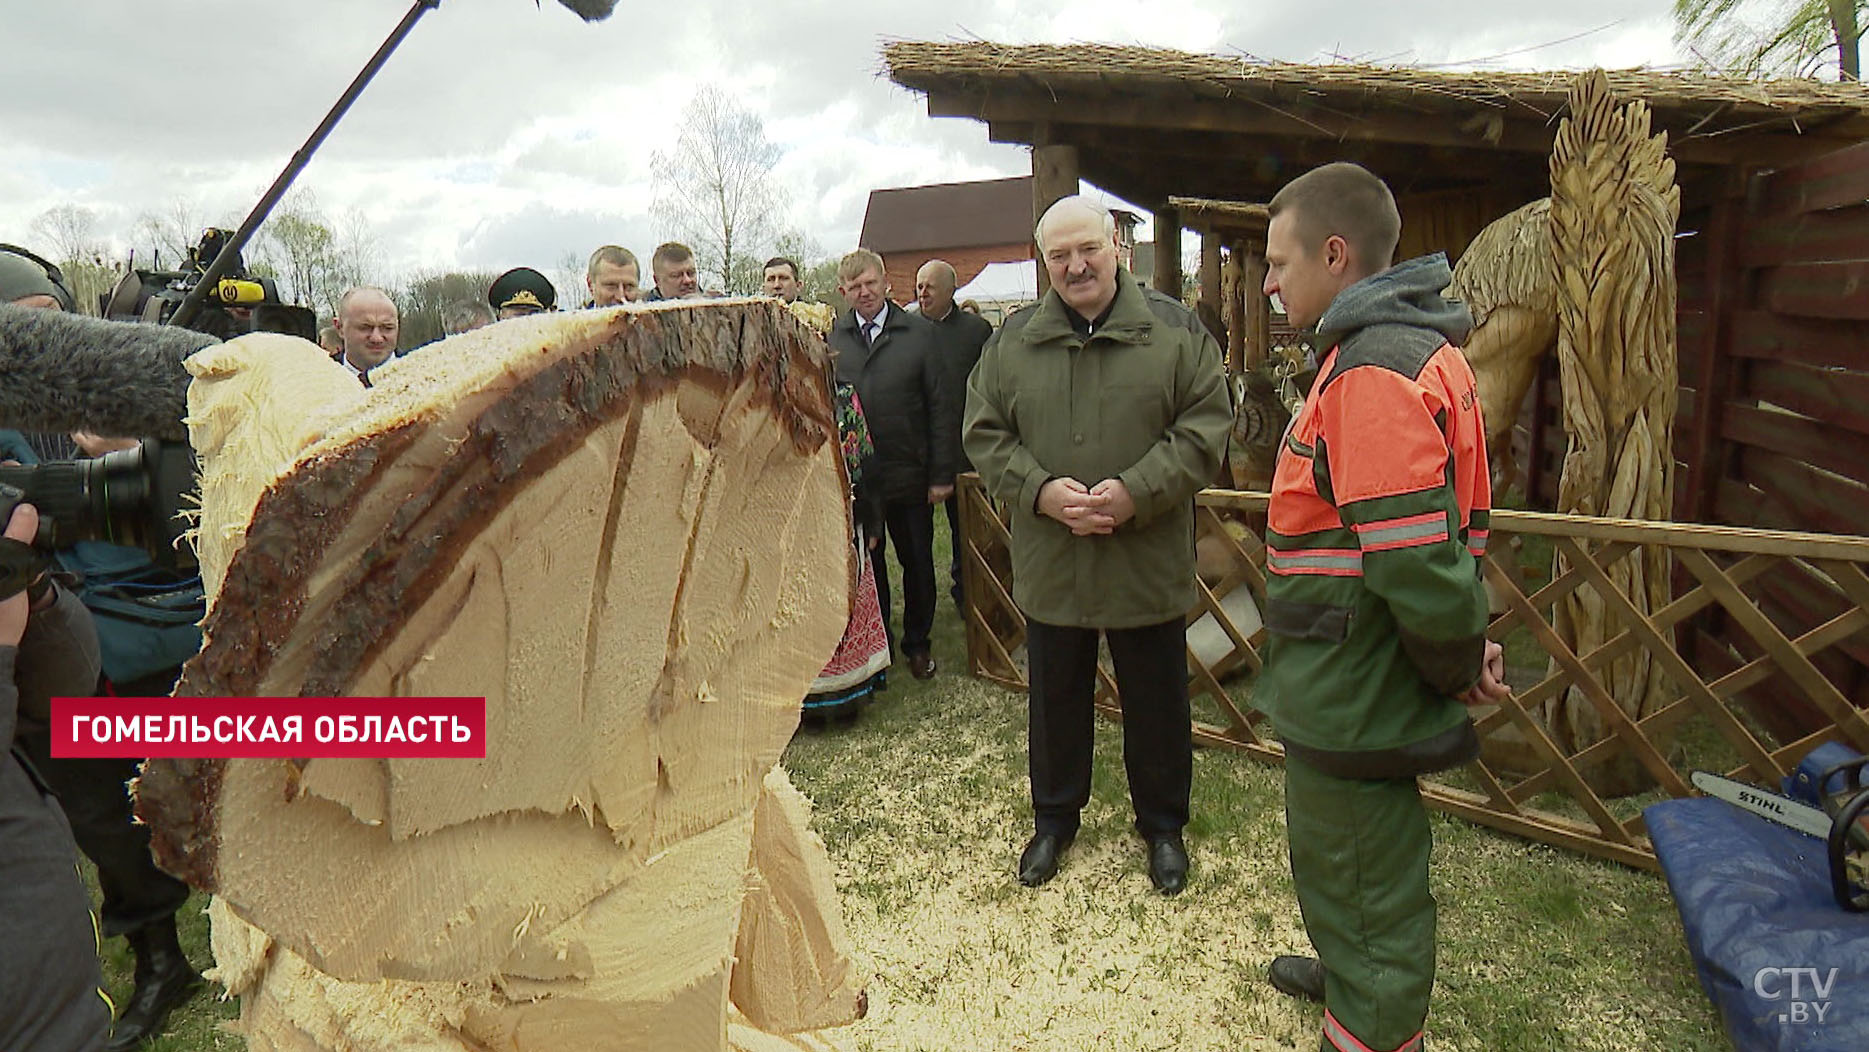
x: 521, y: 290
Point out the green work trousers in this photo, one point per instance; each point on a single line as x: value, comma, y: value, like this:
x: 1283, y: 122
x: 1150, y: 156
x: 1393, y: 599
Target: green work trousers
x: 1359, y: 860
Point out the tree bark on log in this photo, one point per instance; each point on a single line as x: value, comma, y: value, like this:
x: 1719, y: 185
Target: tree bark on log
x: 627, y: 530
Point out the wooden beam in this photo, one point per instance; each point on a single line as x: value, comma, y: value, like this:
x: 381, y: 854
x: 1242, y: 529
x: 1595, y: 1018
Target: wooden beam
x: 1481, y: 126
x: 1168, y: 251
x: 1252, y: 168
x: 1054, y: 175
x: 1242, y: 114
x: 1131, y: 182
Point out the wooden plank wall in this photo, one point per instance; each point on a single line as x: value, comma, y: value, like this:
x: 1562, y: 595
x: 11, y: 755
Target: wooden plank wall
x: 1774, y: 329
x: 1773, y: 313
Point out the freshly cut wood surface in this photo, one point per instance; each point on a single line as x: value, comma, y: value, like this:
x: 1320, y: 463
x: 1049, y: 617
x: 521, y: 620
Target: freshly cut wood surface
x: 627, y: 530
x: 791, y: 971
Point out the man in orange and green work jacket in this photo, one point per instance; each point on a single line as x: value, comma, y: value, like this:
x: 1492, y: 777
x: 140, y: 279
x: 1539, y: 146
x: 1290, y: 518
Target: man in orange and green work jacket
x: 1374, y: 602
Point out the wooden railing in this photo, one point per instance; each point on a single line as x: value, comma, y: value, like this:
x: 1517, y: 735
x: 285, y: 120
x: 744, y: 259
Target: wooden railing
x: 1525, y: 783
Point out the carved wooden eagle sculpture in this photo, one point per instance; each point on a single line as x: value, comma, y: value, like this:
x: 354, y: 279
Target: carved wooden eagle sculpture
x: 1507, y: 279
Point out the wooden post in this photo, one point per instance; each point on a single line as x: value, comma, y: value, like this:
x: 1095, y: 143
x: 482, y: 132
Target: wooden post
x: 1054, y: 175
x: 1258, y: 306
x: 1210, y: 271
x: 1235, y: 293
x: 1168, y: 250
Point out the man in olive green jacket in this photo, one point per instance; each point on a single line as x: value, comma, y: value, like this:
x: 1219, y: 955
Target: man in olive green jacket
x: 1096, y: 416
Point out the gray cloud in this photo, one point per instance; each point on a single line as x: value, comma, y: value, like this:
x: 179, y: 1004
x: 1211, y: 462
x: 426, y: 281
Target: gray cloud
x: 504, y: 133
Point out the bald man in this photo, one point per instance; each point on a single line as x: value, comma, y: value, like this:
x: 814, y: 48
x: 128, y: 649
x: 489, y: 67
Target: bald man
x: 958, y: 339
x: 368, y: 324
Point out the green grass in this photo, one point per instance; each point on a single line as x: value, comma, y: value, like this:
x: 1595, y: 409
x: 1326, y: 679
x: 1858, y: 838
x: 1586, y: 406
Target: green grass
x: 196, y: 1026
x: 922, y: 805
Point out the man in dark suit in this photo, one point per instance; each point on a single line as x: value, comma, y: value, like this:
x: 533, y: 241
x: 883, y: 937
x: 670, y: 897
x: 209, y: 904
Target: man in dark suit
x: 890, y: 355
x: 959, y: 336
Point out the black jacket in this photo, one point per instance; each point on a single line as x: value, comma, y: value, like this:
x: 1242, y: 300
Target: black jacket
x: 958, y: 339
x: 907, y: 400
x: 49, y: 978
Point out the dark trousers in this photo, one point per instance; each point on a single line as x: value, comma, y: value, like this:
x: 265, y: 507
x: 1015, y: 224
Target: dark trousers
x: 96, y: 801
x: 1158, y: 751
x: 910, y: 528
x: 957, y: 546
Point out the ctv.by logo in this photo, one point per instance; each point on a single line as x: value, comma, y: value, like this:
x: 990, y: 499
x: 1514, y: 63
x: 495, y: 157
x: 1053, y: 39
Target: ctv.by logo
x: 1803, y: 993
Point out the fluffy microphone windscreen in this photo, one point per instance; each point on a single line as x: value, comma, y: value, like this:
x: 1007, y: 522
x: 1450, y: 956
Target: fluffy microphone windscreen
x: 66, y: 372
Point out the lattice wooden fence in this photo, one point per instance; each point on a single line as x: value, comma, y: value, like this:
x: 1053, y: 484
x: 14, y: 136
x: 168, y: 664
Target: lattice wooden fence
x: 1525, y: 783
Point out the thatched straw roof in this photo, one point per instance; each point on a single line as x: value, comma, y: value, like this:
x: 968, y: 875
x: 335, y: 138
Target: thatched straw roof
x: 1729, y: 101
x: 1151, y: 123
x: 1205, y: 214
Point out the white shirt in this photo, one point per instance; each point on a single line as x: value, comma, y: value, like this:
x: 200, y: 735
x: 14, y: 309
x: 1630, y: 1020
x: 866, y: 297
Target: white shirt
x: 360, y: 374
x: 874, y: 327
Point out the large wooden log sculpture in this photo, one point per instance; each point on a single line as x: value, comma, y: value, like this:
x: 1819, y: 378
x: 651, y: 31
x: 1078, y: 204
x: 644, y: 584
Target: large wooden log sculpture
x: 1614, y: 204
x: 627, y: 530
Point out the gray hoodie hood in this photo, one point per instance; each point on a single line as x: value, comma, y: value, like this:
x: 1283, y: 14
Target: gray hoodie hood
x: 1408, y: 293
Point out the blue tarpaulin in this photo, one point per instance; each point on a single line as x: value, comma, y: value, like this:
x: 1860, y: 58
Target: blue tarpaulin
x: 1787, y: 968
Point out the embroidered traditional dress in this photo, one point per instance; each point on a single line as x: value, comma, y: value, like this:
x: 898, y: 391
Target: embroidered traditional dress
x: 857, y: 668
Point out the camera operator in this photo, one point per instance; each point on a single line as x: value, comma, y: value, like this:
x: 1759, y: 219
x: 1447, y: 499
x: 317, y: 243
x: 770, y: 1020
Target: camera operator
x: 51, y: 997
x: 145, y: 626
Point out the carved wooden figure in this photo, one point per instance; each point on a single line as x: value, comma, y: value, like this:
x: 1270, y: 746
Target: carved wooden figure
x: 626, y: 529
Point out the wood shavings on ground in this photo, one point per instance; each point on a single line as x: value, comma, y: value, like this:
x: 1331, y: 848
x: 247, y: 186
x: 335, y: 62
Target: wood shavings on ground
x: 922, y: 804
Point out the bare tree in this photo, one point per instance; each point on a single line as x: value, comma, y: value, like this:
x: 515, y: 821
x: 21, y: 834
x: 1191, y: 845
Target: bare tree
x: 170, y: 233
x: 429, y: 295
x: 304, y: 254
x: 356, y: 255
x: 313, y: 260
x: 1754, y: 37
x: 69, y: 232
x: 568, y: 280
x: 715, y: 189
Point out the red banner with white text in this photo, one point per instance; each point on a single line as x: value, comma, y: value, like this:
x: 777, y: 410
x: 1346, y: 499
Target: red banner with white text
x: 304, y: 728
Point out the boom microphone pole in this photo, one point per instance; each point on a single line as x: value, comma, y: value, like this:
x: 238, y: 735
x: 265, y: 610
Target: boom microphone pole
x: 211, y: 278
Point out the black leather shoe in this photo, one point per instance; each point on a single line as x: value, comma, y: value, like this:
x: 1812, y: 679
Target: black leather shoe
x: 922, y: 665
x: 1298, y: 977
x: 1039, y: 862
x: 1168, y: 864
x: 164, y: 980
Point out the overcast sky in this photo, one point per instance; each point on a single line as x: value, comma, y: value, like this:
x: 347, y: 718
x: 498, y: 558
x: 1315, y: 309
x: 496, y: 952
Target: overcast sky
x: 503, y: 133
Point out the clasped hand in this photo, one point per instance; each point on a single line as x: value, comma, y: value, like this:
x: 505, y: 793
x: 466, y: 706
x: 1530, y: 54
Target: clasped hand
x: 1087, y: 510
x: 1491, y: 688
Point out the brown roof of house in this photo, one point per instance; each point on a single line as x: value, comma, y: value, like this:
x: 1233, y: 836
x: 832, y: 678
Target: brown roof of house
x: 949, y: 215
